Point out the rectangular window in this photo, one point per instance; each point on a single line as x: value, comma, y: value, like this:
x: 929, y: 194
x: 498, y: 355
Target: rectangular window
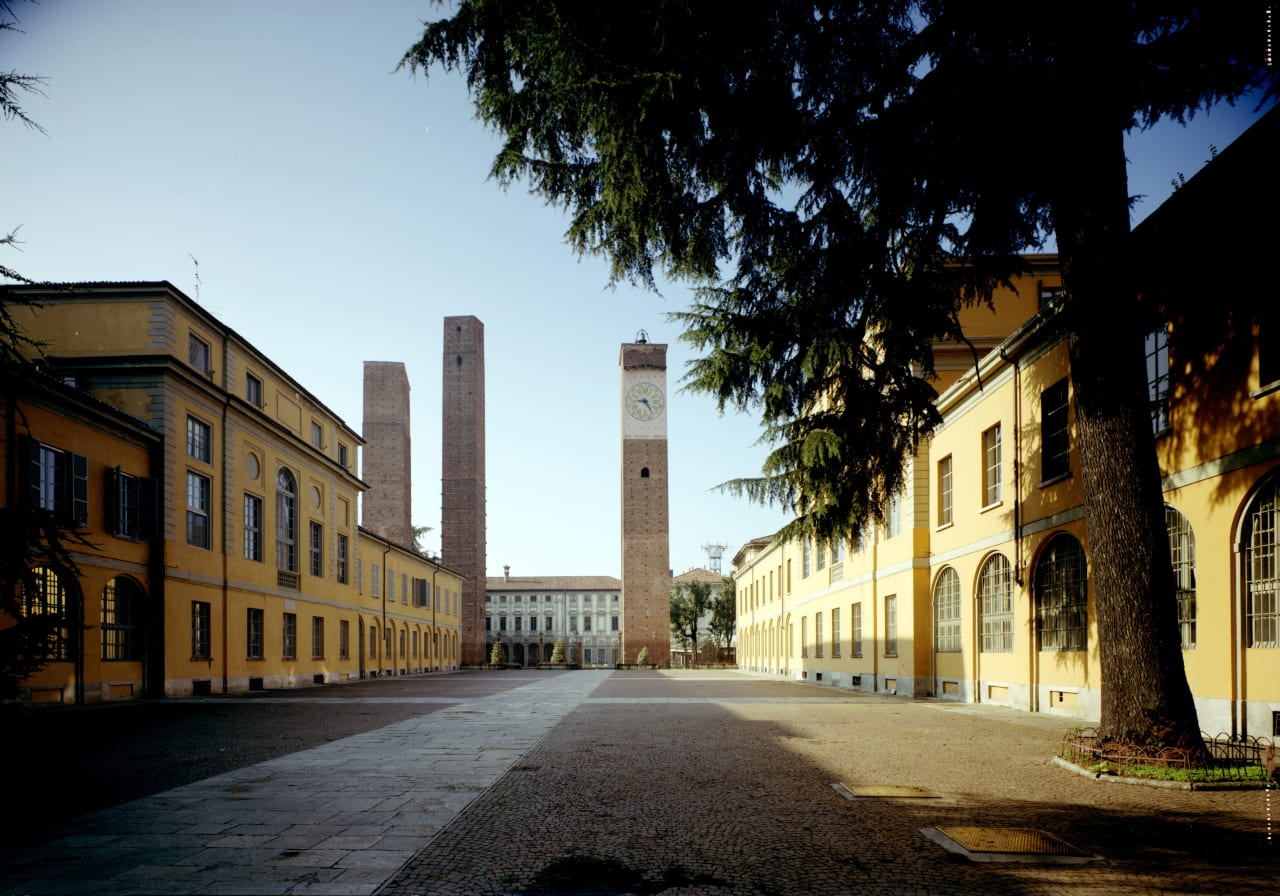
x: 342, y: 455
x: 376, y: 580
x: 317, y: 435
x: 201, y: 633
x: 804, y: 637
x: 944, y: 491
x: 1055, y: 433
x: 342, y: 559
x: 817, y: 635
x: 573, y: 623
x: 133, y: 505
x: 806, y: 559
x: 290, y: 636
x: 198, y: 353
x: 198, y: 504
x: 58, y: 482
x: 502, y: 623
x: 547, y: 627
x: 893, y: 516
x: 891, y: 625
x: 821, y: 551
x: 358, y: 580
x: 253, y: 390
x: 533, y: 623
x: 586, y: 623
x: 856, y: 644
x: 835, y: 632
x: 991, y: 471
x: 121, y: 621
x: 317, y: 637
x: 317, y: 542
x: 1268, y: 347
x: 404, y: 587
x: 1048, y: 294
x: 519, y: 621
x: 344, y: 639
x: 253, y: 632
x: 199, y: 439
x: 613, y: 623
x: 1157, y: 351
x: 252, y: 528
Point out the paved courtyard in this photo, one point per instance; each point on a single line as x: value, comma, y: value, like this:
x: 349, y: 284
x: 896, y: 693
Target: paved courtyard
x: 595, y: 783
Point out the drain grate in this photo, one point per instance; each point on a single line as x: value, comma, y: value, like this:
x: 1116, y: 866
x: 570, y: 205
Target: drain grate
x: 1023, y: 841
x: 885, y: 792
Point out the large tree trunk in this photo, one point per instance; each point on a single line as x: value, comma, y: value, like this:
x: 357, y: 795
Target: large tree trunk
x: 1144, y: 691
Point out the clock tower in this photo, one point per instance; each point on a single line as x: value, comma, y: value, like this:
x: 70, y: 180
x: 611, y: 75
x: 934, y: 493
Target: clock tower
x: 646, y: 557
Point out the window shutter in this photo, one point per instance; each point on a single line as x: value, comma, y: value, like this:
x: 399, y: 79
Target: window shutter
x: 112, y: 504
x: 31, y: 471
x: 148, y: 508
x: 78, y: 471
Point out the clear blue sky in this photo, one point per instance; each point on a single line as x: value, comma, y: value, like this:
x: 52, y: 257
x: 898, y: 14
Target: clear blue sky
x: 340, y: 209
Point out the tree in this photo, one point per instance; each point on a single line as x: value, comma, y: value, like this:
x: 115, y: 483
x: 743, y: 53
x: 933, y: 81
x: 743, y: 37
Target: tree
x: 557, y: 652
x: 689, y: 603
x: 498, y: 655
x: 724, y: 613
x: 840, y: 181
x: 419, y: 533
x: 642, y: 658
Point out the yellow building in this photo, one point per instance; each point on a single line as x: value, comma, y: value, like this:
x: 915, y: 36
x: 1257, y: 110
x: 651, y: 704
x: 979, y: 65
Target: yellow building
x: 978, y: 586
x: 259, y: 541
x: 91, y: 466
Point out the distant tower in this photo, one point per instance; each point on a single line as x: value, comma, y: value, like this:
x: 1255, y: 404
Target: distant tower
x: 462, y: 515
x: 646, y: 554
x: 387, y: 505
x: 714, y: 553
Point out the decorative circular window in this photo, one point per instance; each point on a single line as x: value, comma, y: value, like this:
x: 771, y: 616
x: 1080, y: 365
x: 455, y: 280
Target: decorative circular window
x: 252, y: 468
x: 315, y: 497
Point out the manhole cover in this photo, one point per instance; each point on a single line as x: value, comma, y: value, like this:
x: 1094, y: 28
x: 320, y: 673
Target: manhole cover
x: 892, y: 791
x: 1010, y: 840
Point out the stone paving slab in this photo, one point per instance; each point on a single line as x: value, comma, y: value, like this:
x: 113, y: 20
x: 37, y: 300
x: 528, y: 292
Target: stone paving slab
x: 338, y: 818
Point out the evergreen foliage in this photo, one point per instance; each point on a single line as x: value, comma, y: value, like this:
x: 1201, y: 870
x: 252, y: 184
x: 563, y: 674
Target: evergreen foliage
x: 839, y: 181
x: 557, y: 652
x: 498, y: 655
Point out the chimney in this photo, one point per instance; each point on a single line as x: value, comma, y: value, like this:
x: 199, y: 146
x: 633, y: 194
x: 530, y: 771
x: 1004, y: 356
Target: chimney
x: 506, y: 573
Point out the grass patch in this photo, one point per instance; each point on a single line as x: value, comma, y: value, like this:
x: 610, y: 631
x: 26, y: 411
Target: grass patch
x: 1220, y: 775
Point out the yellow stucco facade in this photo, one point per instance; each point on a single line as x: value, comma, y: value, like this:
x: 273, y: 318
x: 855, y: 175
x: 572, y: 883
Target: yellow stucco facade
x: 265, y: 577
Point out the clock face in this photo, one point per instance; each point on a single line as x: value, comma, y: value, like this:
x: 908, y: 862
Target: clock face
x: 645, y: 401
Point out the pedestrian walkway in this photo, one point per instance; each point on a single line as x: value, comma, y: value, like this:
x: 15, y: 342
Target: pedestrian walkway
x: 340, y: 818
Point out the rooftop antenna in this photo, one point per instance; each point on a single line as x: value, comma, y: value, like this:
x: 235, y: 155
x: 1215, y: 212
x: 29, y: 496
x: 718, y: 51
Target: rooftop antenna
x: 197, y: 264
x: 714, y: 553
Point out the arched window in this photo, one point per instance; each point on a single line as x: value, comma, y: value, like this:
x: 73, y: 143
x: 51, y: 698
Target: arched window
x: 48, y: 600
x: 1062, y: 596
x: 286, y: 521
x: 995, y: 605
x: 1262, y: 568
x: 122, y: 620
x: 946, y: 611
x: 1182, y: 548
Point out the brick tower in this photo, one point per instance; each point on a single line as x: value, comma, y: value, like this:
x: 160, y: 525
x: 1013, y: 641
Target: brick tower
x: 462, y: 514
x: 386, y: 506
x: 646, y: 569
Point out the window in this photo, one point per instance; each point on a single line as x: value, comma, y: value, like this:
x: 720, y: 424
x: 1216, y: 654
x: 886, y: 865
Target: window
x: 133, y: 505
x: 373, y: 642
x: 573, y: 623
x: 613, y: 623
x: 1268, y: 348
x: 891, y: 625
x: 1055, y: 435
x: 253, y: 632
x: 804, y: 637
x: 358, y: 578
x: 547, y: 627
x: 252, y: 528
x: 502, y: 623
x: 316, y: 543
x: 201, y: 633
x: 344, y: 639
x: 286, y: 521
x: 198, y: 353
x: 821, y: 551
x: 290, y: 636
x: 387, y: 652
x: 198, y: 504
x: 944, y: 491
x: 402, y: 643
x: 817, y: 635
x: 58, y: 481
x: 342, y: 558
x: 317, y: 637
x: 404, y: 588
x: 253, y: 390
x: 586, y: 623
x: 893, y: 516
x: 1182, y: 550
x: 49, y: 600
x: 856, y: 646
x: 1262, y: 568
x: 995, y: 605
x: 946, y: 611
x: 1048, y: 294
x: 488, y: 624
x: 806, y: 559
x: 533, y: 623
x: 991, y: 471
x: 199, y: 439
x: 835, y: 632
x: 342, y: 455
x: 317, y: 435
x: 1062, y: 596
x: 376, y: 579
x: 1157, y: 351
x: 121, y: 620
x: 519, y: 621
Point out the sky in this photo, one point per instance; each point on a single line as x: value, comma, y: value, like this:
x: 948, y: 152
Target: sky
x: 266, y: 158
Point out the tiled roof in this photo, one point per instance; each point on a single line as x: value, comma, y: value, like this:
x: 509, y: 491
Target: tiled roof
x: 698, y: 574
x: 553, y: 583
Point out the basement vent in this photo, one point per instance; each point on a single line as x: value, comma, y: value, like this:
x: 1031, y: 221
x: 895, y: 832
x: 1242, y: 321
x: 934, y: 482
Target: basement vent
x: 202, y: 688
x: 804, y: 673
x: 318, y: 678
x: 255, y: 684
x: 855, y: 681
x: 1275, y: 724
x: 817, y: 676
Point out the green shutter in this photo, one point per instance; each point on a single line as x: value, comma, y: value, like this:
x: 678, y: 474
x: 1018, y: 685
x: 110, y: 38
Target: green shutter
x: 78, y: 471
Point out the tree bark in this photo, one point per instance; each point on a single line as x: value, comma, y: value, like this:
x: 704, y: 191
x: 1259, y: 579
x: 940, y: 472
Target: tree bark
x: 1145, y: 698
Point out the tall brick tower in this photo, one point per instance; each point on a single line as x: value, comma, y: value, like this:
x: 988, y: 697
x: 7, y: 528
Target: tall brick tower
x: 462, y: 514
x: 386, y: 506
x: 646, y: 560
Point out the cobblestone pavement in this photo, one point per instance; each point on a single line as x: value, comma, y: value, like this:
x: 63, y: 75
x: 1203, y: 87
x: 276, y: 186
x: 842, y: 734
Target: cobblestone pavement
x: 646, y: 783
